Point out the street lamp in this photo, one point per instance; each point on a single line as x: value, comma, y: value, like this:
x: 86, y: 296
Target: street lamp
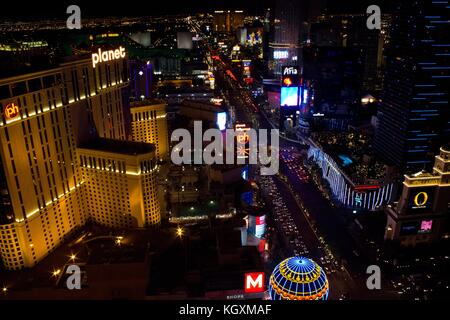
x: 73, y: 257
x: 179, y: 232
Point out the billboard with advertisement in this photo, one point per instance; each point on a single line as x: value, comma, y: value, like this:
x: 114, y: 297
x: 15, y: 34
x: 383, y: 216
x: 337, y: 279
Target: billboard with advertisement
x: 246, y: 63
x: 289, y: 96
x: 426, y: 226
x: 257, y: 225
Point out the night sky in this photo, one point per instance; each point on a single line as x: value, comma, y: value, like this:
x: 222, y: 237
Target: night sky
x: 95, y: 8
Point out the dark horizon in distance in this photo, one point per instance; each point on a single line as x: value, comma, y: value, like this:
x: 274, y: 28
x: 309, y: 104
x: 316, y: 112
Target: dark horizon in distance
x: 33, y: 10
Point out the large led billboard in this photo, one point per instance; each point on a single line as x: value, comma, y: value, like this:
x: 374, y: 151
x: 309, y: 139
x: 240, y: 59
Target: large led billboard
x: 221, y: 120
x: 289, y: 96
x: 280, y: 54
x: 257, y: 225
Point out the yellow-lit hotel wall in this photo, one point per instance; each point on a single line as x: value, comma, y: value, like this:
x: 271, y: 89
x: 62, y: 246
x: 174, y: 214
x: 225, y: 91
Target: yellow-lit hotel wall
x: 149, y: 124
x: 44, y: 116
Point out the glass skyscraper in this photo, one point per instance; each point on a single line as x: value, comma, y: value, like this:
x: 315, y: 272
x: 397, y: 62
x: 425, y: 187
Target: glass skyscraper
x: 414, y: 118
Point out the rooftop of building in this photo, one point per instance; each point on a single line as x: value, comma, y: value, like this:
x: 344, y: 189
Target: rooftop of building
x: 119, y: 146
x: 352, y: 152
x: 146, y: 102
x: 201, y: 105
x: 113, y: 254
x: 17, y: 66
x: 208, y: 259
x: 420, y: 174
x: 183, y: 89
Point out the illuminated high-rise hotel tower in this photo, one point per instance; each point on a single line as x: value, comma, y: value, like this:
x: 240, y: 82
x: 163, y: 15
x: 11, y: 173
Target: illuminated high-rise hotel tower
x: 414, y: 117
x: 49, y: 165
x: 285, y: 44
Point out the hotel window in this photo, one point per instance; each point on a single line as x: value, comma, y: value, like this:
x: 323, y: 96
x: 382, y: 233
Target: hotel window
x: 4, y: 92
x: 48, y: 81
x: 34, y: 85
x: 108, y: 75
x: 19, y: 88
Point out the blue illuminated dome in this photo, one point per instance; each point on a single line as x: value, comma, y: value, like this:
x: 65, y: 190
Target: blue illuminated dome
x: 298, y: 278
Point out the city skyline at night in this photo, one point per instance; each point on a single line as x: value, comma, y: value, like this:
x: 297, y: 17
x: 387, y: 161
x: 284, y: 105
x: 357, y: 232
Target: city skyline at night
x: 228, y: 151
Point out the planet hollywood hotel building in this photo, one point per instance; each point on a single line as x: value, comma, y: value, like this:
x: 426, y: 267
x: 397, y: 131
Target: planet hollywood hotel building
x: 65, y: 158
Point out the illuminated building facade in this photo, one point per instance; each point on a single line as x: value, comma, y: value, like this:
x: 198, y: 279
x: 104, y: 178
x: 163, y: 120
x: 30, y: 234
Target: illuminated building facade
x: 149, y: 124
x: 227, y: 20
x: 214, y: 115
x: 422, y: 211
x: 414, y: 118
x: 140, y: 79
x: 45, y: 116
x: 368, y: 196
x: 349, y: 30
x: 284, y: 47
x: 120, y: 183
x: 298, y: 278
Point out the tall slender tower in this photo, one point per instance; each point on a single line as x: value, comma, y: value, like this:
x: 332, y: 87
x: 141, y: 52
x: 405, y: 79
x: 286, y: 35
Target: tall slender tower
x: 414, y: 117
x: 285, y: 44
